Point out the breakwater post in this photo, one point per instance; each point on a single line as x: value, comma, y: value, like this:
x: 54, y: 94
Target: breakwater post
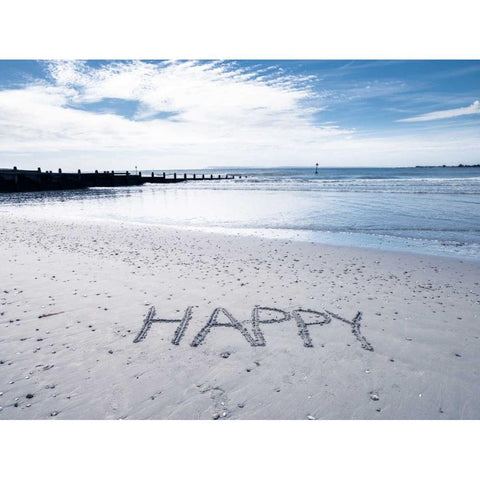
x: 17, y: 180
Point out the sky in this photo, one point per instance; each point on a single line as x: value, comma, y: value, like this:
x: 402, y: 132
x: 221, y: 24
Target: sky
x: 195, y: 114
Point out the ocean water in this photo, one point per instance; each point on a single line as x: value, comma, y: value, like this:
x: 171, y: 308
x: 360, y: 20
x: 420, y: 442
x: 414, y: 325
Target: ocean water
x: 420, y: 210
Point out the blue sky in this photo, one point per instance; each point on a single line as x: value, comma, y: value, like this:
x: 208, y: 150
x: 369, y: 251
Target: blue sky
x: 191, y: 114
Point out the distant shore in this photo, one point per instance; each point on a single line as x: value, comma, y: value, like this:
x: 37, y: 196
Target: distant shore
x: 460, y: 165
x: 347, y: 333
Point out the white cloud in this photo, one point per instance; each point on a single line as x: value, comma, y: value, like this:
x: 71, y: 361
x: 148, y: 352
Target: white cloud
x: 220, y: 114
x: 472, y: 109
x: 218, y: 110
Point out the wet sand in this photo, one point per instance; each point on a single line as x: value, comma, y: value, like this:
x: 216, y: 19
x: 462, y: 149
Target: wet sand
x: 74, y: 297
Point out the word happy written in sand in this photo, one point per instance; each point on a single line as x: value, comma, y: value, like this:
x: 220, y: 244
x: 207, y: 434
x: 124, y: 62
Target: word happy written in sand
x: 260, y: 315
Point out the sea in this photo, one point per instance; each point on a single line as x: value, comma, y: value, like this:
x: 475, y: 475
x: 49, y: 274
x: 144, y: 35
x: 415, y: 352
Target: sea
x: 434, y: 211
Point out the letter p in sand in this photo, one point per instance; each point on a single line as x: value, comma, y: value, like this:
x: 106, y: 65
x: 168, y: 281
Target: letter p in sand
x: 256, y: 321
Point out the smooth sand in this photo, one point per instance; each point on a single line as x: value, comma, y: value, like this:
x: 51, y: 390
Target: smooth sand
x: 73, y: 297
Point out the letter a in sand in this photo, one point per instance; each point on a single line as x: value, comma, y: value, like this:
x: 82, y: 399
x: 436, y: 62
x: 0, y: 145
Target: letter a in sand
x: 212, y: 322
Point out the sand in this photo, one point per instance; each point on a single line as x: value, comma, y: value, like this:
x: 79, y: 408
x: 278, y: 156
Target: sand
x: 74, y: 296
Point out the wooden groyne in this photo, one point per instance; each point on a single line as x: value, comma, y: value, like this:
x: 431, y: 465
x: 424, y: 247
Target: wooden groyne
x: 15, y: 180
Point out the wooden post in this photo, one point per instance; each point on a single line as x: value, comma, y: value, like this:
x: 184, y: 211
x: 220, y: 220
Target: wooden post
x: 163, y: 174
x: 174, y: 176
x: 203, y: 176
x: 153, y: 175
x: 15, y: 178
x: 219, y: 177
x: 194, y: 176
x: 211, y: 176
x: 184, y: 176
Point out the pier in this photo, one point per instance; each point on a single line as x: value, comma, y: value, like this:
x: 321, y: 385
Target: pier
x: 15, y: 180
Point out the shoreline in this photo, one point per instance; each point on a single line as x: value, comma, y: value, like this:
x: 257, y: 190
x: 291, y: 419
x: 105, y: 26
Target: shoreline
x: 246, y: 233
x: 93, y: 284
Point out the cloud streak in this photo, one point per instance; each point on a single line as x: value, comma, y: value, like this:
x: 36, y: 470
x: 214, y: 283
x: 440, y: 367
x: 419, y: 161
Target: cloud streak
x: 472, y: 109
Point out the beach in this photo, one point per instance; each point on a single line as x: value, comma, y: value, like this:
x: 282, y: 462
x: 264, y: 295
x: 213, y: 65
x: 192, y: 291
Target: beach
x: 75, y: 295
